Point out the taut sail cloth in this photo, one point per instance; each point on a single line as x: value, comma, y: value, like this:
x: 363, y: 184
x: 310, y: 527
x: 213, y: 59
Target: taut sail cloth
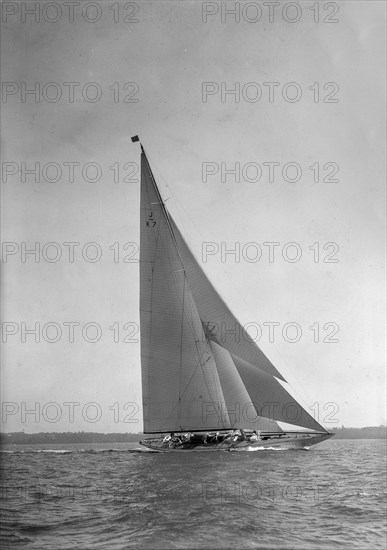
x: 195, y: 377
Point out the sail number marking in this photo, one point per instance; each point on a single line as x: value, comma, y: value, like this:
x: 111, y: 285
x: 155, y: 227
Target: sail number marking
x: 150, y: 222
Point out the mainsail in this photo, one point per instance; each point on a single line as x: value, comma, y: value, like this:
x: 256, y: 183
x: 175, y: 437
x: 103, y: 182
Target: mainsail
x: 196, y: 377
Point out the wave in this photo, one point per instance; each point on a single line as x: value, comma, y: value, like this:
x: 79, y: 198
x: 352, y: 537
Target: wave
x: 252, y: 449
x: 76, y: 451
x: 364, y: 494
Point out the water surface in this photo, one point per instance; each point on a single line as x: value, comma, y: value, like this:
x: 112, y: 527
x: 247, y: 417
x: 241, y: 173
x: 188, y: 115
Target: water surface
x: 113, y: 496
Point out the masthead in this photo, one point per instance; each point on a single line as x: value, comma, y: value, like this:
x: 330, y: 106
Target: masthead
x: 136, y: 138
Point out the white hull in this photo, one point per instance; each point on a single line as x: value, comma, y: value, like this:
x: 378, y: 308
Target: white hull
x: 287, y: 441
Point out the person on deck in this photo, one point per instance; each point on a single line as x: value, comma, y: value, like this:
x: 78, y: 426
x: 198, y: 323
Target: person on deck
x: 237, y: 434
x: 254, y: 436
x: 175, y: 440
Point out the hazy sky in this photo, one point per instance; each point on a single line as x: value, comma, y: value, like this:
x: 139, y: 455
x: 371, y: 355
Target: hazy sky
x: 86, y: 73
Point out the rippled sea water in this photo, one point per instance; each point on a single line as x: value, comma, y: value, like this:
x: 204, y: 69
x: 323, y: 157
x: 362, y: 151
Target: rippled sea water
x: 116, y: 497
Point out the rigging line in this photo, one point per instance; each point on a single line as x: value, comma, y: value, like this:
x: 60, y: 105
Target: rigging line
x: 199, y: 363
x: 172, y: 232
x: 176, y: 405
x: 189, y: 321
x: 229, y: 278
x: 200, y: 233
x: 175, y: 241
x: 171, y: 262
x: 291, y: 388
x: 285, y: 364
x: 191, y: 305
x: 166, y: 213
x: 181, y: 345
x: 202, y: 364
x: 191, y: 327
x: 210, y: 394
x: 151, y: 294
x: 219, y: 390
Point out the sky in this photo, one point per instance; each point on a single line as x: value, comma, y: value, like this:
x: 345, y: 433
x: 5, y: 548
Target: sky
x: 295, y: 96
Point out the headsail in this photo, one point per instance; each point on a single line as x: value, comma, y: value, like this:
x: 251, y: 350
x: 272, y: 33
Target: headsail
x: 217, y: 316
x: 191, y: 379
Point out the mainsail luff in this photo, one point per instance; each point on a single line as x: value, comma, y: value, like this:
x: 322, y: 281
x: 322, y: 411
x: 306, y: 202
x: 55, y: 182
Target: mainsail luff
x: 191, y: 381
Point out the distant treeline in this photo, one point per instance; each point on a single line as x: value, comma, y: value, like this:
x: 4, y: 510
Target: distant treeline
x: 372, y: 432
x: 68, y: 437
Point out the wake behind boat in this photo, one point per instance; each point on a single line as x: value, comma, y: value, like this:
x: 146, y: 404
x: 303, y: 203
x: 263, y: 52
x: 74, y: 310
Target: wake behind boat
x: 206, y: 384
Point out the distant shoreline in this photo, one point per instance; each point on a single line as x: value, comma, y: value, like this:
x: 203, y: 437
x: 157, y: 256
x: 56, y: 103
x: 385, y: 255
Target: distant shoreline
x: 20, y: 438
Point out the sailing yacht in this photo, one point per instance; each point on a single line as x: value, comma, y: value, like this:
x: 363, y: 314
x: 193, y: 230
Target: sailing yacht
x: 204, y: 389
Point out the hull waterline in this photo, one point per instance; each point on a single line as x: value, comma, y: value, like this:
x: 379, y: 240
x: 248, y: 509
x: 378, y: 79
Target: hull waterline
x: 286, y: 441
